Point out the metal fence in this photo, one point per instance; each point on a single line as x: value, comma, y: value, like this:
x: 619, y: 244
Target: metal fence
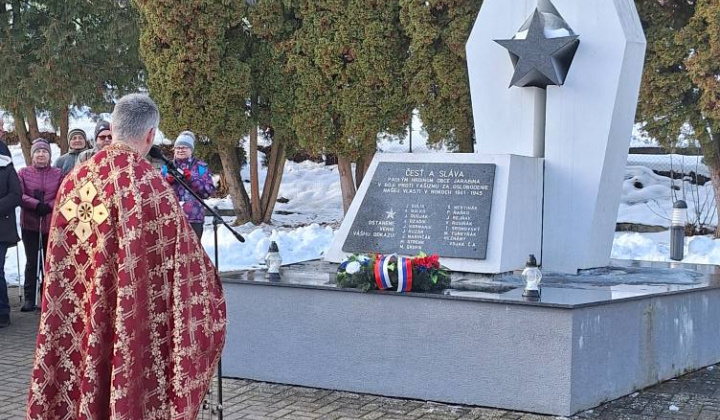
x: 683, y: 162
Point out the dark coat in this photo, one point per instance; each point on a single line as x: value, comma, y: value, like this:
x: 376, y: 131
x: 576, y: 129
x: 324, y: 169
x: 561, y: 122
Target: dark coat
x: 10, y: 195
x: 33, y: 180
x: 68, y: 161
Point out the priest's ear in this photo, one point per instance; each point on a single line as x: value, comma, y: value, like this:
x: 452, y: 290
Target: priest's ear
x: 149, y: 138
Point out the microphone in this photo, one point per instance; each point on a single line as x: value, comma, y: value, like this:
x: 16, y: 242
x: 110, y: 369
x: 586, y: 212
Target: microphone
x: 156, y: 153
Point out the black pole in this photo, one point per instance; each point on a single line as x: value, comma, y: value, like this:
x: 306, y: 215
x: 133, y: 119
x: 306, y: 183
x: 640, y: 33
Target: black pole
x: 40, y: 268
x: 219, y: 407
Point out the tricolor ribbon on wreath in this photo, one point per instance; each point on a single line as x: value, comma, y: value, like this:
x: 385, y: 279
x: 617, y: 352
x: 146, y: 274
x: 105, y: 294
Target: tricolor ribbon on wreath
x: 404, y: 270
x: 382, y: 272
x: 405, y: 277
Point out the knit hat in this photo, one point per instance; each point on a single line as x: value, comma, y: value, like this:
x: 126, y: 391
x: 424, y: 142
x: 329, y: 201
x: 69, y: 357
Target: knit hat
x: 75, y: 131
x: 187, y: 139
x: 101, y: 126
x: 38, y: 144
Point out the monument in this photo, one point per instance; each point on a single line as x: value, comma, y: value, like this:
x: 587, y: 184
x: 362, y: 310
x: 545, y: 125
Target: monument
x: 554, y: 90
x: 580, y: 129
x: 555, y: 95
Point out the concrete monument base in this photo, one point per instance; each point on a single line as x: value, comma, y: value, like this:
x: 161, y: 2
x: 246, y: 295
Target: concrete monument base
x: 603, y: 336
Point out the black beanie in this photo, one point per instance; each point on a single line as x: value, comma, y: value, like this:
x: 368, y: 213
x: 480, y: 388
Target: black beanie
x: 101, y: 126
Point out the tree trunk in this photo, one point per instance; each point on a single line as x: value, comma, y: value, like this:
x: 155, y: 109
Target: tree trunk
x: 222, y: 189
x: 347, y: 184
x: 61, y: 120
x: 31, y: 118
x: 362, y: 166
x: 22, y: 134
x: 714, y: 170
x: 711, y: 153
x: 255, y: 214
x: 466, y: 144
x: 231, y: 169
x: 271, y: 188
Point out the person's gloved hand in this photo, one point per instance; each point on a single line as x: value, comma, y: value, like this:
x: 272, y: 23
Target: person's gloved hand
x: 170, y: 179
x: 43, y: 209
x: 187, y: 174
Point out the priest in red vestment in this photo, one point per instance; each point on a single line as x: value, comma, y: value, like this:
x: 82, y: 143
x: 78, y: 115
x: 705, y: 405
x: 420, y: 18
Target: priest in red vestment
x: 133, y: 313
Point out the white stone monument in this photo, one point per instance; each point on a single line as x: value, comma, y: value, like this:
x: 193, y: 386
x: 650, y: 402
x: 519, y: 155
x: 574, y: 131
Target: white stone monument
x: 582, y: 128
x: 555, y: 84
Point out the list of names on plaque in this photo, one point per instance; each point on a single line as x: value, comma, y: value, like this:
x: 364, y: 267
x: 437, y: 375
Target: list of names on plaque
x: 441, y: 208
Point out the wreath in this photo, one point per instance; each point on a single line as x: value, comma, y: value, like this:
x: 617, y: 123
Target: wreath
x: 422, y: 273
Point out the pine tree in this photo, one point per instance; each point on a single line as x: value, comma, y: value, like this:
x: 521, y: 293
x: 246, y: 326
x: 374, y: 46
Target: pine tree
x: 89, y: 56
x: 437, y: 67
x: 272, y: 24
x: 348, y: 56
x: 20, y: 89
x: 196, y: 56
x: 59, y: 53
x: 702, y: 37
x: 668, y: 97
x: 679, y: 88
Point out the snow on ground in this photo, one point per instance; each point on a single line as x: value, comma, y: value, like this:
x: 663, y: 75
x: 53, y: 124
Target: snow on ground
x: 312, y: 191
x: 311, y: 209
x: 647, y: 198
x: 295, y: 244
x: 656, y: 247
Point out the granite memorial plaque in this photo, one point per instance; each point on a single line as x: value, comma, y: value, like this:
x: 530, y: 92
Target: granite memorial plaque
x: 441, y: 208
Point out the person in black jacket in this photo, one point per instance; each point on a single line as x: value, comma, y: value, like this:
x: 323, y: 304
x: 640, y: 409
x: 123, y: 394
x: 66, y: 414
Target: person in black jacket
x: 9, y: 200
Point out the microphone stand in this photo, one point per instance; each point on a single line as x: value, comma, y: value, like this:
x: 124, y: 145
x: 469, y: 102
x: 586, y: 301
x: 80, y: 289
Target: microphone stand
x: 217, y: 220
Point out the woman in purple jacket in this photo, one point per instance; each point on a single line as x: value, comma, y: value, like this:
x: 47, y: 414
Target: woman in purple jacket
x: 198, y: 177
x: 39, y: 184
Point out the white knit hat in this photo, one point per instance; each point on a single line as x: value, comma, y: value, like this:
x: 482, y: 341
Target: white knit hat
x: 187, y: 139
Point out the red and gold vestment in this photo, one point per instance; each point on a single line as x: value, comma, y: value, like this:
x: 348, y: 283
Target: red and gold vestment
x: 133, y: 312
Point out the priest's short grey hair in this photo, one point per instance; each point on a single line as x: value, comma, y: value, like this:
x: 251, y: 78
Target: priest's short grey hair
x: 133, y: 117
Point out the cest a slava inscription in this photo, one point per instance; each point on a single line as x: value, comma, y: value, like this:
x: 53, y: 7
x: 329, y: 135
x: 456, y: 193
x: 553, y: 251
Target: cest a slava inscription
x: 432, y: 207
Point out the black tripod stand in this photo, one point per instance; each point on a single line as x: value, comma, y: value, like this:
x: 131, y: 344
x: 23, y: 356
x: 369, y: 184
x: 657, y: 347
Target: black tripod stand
x: 217, y: 220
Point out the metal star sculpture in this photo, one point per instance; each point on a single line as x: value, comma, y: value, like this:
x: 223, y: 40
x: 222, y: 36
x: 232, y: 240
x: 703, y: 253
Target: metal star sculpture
x: 540, y: 61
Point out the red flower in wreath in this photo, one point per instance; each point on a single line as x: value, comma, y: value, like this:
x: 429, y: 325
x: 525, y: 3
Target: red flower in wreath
x: 428, y: 262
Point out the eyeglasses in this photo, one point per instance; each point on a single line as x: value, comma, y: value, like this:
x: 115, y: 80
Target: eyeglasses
x: 108, y: 137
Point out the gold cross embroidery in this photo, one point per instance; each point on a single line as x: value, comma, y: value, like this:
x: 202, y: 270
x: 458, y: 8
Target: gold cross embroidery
x: 85, y: 212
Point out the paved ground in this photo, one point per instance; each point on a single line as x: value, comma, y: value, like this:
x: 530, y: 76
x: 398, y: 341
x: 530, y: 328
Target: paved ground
x: 694, y: 396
